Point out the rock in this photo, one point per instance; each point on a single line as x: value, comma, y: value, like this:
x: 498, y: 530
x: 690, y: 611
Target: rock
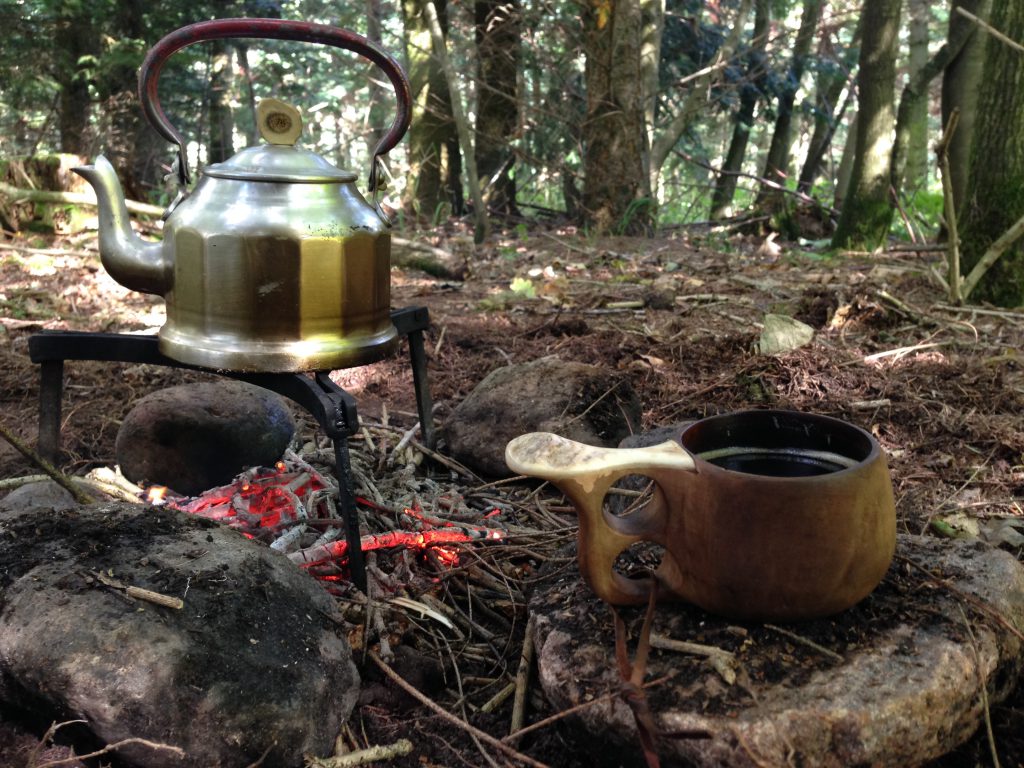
x: 255, y: 660
x: 194, y: 437
x: 44, y: 494
x: 905, y: 690
x: 579, y: 401
x: 783, y: 334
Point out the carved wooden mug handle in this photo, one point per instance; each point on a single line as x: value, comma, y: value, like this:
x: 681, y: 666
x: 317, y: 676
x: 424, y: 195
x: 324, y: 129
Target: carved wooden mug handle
x: 584, y: 473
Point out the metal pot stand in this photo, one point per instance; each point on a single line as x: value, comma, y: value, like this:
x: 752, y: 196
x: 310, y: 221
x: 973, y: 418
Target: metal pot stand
x: 332, y: 407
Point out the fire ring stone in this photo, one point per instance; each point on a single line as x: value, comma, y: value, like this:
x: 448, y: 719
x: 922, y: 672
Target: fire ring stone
x: 894, y: 681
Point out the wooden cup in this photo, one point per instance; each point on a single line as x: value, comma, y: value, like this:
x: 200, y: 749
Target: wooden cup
x: 763, y: 515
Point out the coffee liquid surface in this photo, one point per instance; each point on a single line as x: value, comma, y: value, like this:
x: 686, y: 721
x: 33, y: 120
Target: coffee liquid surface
x: 778, y: 462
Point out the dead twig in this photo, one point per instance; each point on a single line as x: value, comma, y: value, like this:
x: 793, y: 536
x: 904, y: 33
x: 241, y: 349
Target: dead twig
x: 723, y: 662
x: 805, y: 642
x: 400, y: 748
x: 983, y: 691
x: 523, y: 676
x: 444, y: 714
x: 176, y: 751
x: 139, y: 593
x: 968, y: 598
x: 59, y: 477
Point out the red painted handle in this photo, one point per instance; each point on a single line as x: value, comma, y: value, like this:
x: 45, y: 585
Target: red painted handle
x: 281, y: 30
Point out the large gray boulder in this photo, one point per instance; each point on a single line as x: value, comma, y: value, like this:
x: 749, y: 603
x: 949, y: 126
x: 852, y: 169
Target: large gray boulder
x: 194, y: 437
x: 893, y: 682
x: 255, y: 661
x: 582, y: 402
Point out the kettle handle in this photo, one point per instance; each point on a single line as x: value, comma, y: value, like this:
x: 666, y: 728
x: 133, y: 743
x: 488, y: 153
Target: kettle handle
x: 279, y: 29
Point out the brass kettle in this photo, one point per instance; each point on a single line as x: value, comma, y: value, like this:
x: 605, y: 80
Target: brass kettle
x: 274, y: 262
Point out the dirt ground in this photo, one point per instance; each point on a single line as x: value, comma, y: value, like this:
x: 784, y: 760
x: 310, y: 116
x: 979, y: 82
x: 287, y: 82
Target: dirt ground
x: 942, y: 388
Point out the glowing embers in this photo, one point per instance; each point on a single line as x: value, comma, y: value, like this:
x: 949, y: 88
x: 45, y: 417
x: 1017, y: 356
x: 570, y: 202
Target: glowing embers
x: 291, y: 508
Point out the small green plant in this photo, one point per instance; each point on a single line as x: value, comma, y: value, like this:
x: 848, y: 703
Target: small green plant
x: 520, y: 286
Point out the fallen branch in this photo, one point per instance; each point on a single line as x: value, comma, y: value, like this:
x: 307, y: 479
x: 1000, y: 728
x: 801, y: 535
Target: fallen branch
x: 72, y: 198
x: 59, y: 477
x: 444, y: 714
x: 400, y: 748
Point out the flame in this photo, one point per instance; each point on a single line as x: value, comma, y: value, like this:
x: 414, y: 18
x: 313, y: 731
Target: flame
x: 156, y: 495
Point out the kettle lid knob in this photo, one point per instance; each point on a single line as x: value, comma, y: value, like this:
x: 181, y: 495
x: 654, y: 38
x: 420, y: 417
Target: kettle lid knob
x: 278, y: 123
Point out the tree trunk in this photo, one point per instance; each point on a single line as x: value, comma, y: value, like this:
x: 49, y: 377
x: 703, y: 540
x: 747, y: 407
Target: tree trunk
x: 652, y: 28
x: 845, y: 171
x: 916, y: 172
x: 832, y: 81
x: 432, y: 131
x: 613, y: 131
x: 915, y: 97
x: 776, y: 166
x: 995, y: 196
x: 750, y: 92
x: 960, y: 81
x: 497, y: 113
x: 75, y: 38
x: 380, y: 97
x: 220, y: 145
x: 867, y: 211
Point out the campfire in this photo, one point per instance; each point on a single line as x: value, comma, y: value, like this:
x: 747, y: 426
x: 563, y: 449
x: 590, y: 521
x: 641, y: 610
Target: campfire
x: 291, y: 508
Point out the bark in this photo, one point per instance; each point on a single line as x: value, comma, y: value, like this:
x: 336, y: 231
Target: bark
x: 242, y: 54
x: 916, y: 172
x: 776, y: 167
x: 960, y: 81
x: 915, y: 97
x: 652, y: 29
x: 845, y: 172
x: 497, y: 113
x: 75, y: 37
x: 380, y: 96
x: 995, y: 196
x: 613, y: 130
x: 750, y: 92
x: 832, y: 81
x: 432, y: 132
x: 867, y: 210
x: 220, y: 145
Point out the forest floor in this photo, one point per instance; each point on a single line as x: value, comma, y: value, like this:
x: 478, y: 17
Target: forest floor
x: 942, y: 389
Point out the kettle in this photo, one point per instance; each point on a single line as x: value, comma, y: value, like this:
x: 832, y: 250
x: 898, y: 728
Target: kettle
x: 274, y: 262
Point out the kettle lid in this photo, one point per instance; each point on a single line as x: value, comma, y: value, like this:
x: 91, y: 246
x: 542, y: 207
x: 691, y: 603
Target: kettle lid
x: 279, y: 160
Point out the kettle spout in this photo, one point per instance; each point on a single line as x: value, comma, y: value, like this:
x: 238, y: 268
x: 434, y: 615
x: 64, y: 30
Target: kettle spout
x: 130, y: 260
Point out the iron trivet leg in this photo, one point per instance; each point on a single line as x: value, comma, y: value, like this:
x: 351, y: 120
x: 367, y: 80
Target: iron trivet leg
x: 350, y: 513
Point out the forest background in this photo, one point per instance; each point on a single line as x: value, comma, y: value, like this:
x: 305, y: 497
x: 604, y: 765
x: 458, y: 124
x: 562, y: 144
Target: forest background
x: 814, y: 118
